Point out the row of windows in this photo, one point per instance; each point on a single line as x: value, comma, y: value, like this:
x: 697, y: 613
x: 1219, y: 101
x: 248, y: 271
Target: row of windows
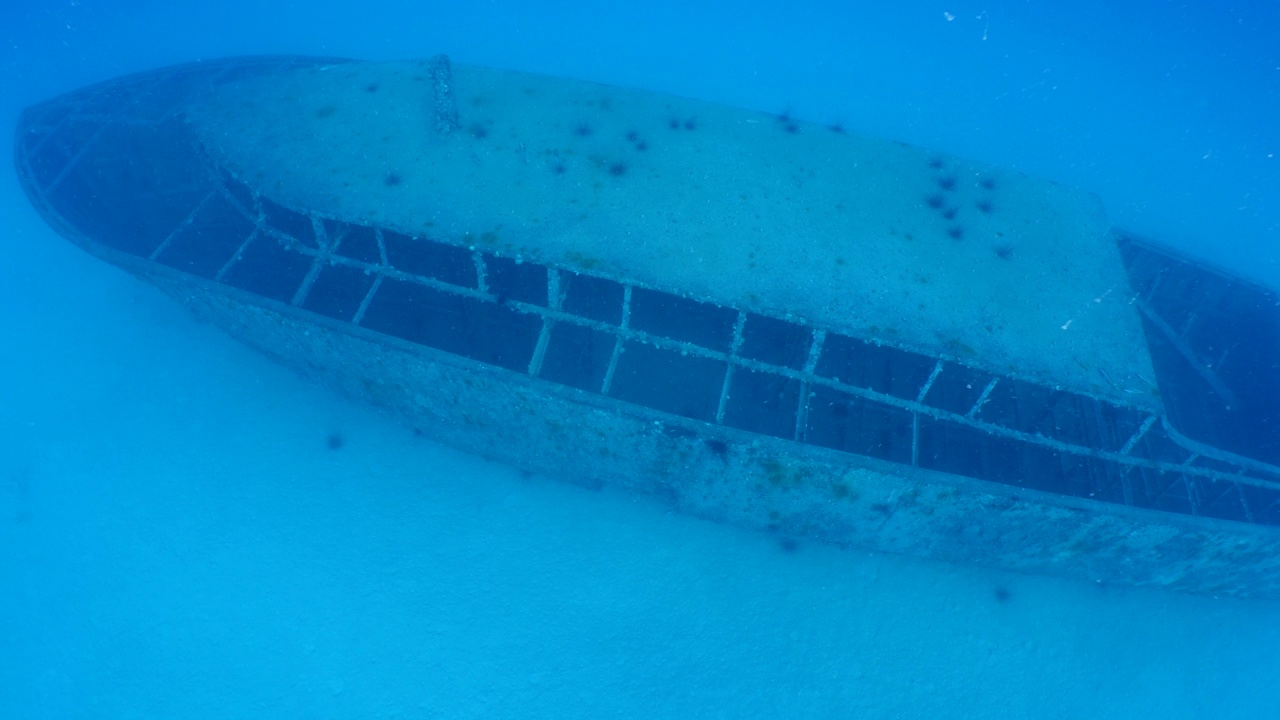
x: 272, y: 267
x: 487, y: 325
x: 699, y: 360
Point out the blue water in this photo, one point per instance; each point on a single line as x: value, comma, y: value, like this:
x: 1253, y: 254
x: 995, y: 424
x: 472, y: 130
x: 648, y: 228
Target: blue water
x: 177, y: 540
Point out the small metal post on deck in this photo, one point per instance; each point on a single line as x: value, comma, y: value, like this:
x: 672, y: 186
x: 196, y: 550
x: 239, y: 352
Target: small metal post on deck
x: 444, y: 108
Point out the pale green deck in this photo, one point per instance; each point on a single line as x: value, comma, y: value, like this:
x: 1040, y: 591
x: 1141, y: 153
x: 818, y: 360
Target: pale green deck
x: 829, y: 227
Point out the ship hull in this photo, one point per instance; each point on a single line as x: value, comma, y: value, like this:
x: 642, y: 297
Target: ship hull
x: 722, y: 406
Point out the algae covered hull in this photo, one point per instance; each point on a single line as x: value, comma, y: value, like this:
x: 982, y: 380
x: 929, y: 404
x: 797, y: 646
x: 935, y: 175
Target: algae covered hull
x: 765, y: 322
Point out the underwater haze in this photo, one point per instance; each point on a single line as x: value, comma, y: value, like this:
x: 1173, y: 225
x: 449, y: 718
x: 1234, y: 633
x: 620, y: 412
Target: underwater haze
x: 188, y: 530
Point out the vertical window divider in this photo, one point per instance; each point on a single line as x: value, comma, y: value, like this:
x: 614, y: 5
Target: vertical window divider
x: 982, y: 399
x: 1138, y: 434
x: 1193, y: 493
x: 555, y: 299
x: 810, y: 364
x: 924, y: 389
x: 915, y: 439
x: 186, y: 222
x: 322, y: 236
x: 382, y: 248
x: 482, y: 276
x: 540, y: 349
x: 300, y: 296
x: 226, y: 267
x: 368, y: 298
x: 617, y: 343
x: 730, y: 366
x: 1244, y: 501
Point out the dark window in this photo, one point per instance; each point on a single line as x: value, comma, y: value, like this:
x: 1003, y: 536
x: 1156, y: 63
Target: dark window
x: 357, y: 242
x: 296, y: 226
x: 957, y: 388
x: 209, y: 241
x: 577, y: 356
x: 777, y: 342
x: 1223, y: 323
x: 338, y: 291
x: 671, y: 316
x: 1159, y: 490
x: 853, y: 424
x: 881, y: 368
x: 1115, y: 425
x: 762, y: 403
x: 266, y: 268
x: 473, y: 328
x: 958, y: 449
x: 1089, y: 477
x: 522, y: 282
x: 121, y: 191
x: 592, y: 298
x: 961, y: 450
x: 418, y: 256
x: 1219, y: 498
x: 666, y: 380
x: 239, y: 194
x: 1038, y: 410
x: 1263, y: 502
